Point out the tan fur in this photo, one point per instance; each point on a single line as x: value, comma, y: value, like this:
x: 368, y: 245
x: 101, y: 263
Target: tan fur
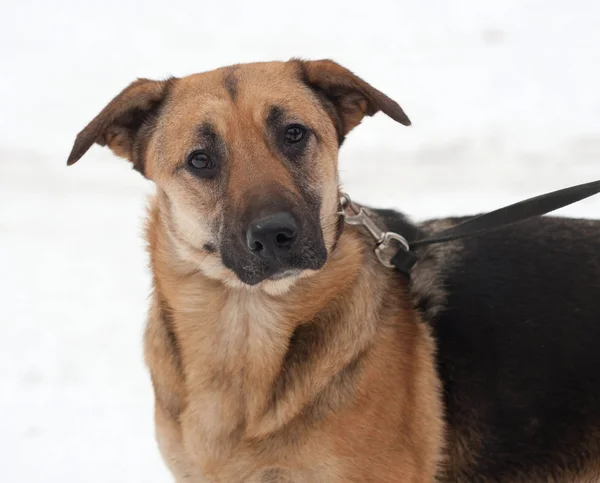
x: 327, y: 376
x: 234, y: 342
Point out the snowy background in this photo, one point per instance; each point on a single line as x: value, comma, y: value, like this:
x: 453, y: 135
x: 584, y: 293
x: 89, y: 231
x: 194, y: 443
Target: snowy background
x: 505, y: 101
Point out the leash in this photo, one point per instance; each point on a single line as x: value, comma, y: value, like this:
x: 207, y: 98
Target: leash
x: 395, y: 251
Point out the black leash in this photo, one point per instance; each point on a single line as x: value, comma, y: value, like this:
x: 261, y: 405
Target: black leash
x: 404, y: 258
x: 523, y: 210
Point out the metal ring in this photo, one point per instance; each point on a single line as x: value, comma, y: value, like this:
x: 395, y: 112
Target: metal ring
x: 345, y: 202
x: 385, y: 244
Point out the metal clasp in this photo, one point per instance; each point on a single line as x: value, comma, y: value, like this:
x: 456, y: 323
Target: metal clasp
x: 383, y: 239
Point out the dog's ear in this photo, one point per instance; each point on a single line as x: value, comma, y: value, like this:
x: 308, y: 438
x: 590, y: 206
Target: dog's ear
x: 124, y: 124
x: 352, y: 97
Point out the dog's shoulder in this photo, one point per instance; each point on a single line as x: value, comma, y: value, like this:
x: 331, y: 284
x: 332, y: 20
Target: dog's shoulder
x: 428, y: 277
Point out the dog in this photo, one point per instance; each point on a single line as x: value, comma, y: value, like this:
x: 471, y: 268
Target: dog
x: 281, y: 350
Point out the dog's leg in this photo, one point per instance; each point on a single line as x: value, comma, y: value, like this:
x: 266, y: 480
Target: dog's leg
x: 167, y: 379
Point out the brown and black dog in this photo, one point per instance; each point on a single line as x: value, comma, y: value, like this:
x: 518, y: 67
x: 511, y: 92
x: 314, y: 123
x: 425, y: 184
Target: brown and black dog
x: 281, y: 350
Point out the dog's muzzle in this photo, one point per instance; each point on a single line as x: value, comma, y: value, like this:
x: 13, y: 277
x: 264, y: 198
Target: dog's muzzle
x: 274, y: 245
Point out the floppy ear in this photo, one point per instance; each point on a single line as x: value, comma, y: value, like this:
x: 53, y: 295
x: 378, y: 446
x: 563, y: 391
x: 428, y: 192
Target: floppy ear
x: 125, y: 123
x: 351, y: 97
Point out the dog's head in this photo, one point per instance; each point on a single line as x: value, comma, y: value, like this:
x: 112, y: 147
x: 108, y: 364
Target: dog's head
x: 245, y: 160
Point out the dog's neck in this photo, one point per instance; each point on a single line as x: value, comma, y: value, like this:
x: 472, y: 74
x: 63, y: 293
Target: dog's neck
x: 253, y: 361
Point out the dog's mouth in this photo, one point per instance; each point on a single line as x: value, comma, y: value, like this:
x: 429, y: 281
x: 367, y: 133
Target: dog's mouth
x: 255, y: 273
x: 286, y: 273
x: 252, y: 270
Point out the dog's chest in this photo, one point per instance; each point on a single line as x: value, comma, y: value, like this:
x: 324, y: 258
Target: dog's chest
x: 232, y: 359
x: 240, y: 339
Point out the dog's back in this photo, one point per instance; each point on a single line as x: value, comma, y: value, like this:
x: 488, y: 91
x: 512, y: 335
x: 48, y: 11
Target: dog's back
x: 516, y: 316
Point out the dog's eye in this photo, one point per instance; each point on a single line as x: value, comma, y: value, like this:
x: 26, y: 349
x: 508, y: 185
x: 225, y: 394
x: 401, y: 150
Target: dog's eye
x: 294, y: 134
x: 199, y: 160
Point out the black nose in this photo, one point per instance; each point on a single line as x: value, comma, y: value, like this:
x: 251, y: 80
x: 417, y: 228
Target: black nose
x: 272, y: 236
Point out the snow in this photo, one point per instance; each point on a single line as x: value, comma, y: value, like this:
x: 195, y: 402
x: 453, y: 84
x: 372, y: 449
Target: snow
x: 505, y: 104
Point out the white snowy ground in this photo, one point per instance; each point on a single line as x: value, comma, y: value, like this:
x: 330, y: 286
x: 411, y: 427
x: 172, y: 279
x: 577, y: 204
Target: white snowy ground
x: 505, y: 101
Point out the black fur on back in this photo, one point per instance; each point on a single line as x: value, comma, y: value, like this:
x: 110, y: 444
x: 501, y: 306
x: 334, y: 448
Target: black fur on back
x: 516, y: 317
